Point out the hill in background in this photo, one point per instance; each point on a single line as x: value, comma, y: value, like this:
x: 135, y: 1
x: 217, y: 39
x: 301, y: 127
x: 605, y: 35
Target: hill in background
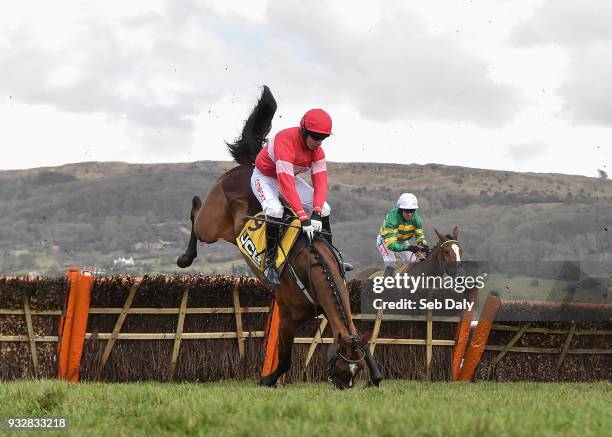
x: 108, y: 215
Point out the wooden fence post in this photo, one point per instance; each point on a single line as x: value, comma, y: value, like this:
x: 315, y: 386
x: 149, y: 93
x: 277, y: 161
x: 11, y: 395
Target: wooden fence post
x: 111, y: 341
x: 512, y: 342
x: 28, y: 317
x: 568, y: 340
x: 238, y: 316
x: 428, y: 345
x: 179, y: 334
x: 376, y: 330
x: 315, y: 341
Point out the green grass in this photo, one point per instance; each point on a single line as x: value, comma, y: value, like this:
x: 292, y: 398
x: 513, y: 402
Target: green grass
x: 243, y: 408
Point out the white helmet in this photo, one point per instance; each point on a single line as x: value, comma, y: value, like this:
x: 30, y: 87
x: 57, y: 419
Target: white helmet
x: 407, y: 201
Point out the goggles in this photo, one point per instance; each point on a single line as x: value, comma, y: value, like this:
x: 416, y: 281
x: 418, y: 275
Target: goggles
x: 317, y: 136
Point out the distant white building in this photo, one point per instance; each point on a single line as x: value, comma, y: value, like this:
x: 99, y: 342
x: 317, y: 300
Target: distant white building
x: 123, y: 262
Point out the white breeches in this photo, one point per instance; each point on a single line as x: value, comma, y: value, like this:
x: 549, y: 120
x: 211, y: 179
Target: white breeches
x: 268, y: 193
x: 390, y: 257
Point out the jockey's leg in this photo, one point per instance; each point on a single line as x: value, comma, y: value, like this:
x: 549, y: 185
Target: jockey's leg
x: 387, y: 256
x: 266, y: 191
x: 407, y: 256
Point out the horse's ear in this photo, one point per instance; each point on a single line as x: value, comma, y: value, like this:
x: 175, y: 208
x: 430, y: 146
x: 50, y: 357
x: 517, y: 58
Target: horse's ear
x: 365, y: 338
x: 455, y: 232
x: 440, y: 236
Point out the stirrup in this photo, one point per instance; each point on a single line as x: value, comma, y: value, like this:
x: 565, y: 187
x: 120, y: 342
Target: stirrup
x: 389, y: 271
x: 271, y: 275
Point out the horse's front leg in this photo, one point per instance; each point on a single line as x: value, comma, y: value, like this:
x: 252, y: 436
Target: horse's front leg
x: 285, y: 346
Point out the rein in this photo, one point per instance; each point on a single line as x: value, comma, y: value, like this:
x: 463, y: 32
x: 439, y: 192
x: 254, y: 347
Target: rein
x: 354, y: 338
x: 320, y: 261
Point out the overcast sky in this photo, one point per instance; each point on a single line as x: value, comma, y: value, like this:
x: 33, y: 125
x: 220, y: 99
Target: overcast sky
x: 523, y: 86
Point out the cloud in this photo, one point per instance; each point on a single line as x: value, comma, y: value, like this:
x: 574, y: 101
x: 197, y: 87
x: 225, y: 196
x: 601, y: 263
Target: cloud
x: 526, y: 151
x: 566, y: 22
x: 156, y: 66
x: 587, y: 91
x: 583, y: 28
x: 398, y: 69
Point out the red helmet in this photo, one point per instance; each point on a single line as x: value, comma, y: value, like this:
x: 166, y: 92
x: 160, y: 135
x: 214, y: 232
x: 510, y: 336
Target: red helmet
x: 317, y: 120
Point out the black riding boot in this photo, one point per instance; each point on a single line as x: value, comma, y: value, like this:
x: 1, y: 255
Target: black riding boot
x: 389, y: 271
x: 326, y: 227
x: 270, y: 271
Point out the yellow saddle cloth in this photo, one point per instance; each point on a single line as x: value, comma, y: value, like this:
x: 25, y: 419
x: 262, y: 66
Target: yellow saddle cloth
x: 252, y: 242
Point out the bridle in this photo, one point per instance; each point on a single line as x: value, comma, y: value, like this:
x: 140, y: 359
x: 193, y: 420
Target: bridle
x: 353, y: 338
x: 449, y: 241
x: 331, y: 364
x: 440, y: 246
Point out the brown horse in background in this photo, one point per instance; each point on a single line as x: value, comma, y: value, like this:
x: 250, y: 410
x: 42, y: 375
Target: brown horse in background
x: 221, y: 217
x: 443, y: 259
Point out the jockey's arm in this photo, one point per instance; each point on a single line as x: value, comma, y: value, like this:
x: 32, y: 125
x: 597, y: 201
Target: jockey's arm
x: 286, y: 178
x: 318, y: 176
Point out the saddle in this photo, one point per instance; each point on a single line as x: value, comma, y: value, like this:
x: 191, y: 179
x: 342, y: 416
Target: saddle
x: 252, y: 240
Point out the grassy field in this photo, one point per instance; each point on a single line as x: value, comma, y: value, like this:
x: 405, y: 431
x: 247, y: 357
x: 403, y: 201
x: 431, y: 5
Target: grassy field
x: 243, y: 408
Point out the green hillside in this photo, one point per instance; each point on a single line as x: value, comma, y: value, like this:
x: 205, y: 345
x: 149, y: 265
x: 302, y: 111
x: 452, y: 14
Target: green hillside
x: 92, y: 214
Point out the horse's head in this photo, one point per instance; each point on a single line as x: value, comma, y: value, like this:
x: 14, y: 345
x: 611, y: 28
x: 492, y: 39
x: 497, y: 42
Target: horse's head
x: 346, y: 358
x: 320, y: 267
x: 448, y: 251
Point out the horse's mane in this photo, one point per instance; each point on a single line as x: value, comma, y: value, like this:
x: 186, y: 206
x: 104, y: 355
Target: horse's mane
x: 322, y: 250
x: 256, y: 128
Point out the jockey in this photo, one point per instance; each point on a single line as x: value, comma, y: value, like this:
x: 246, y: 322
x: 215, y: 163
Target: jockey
x: 400, y: 225
x: 293, y: 151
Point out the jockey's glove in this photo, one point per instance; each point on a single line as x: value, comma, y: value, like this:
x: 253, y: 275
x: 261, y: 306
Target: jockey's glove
x: 426, y: 248
x: 411, y: 248
x: 315, y: 219
x: 308, y: 229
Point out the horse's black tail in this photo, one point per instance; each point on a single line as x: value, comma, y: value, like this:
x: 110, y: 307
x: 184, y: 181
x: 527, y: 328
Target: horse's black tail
x: 256, y: 128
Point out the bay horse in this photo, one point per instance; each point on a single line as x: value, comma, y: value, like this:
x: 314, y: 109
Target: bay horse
x: 221, y: 217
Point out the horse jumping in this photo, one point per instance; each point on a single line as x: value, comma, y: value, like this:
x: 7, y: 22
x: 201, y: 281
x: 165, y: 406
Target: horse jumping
x: 315, y: 263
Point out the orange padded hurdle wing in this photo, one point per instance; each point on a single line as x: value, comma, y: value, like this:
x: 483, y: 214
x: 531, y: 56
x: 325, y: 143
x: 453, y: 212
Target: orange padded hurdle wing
x: 480, y: 337
x: 271, y: 356
x: 462, y: 336
x: 65, y: 323
x: 79, y: 325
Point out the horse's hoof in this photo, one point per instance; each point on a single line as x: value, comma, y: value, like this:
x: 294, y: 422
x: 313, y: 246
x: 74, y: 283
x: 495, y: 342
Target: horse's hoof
x: 372, y: 383
x: 196, y: 202
x: 184, y: 260
x: 348, y: 267
x: 267, y: 381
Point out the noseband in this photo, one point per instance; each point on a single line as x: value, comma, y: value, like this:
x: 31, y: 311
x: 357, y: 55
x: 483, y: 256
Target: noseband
x: 354, y: 339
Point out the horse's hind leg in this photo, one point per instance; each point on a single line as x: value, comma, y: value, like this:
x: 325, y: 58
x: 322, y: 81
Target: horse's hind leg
x: 191, y: 253
x: 285, y: 346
